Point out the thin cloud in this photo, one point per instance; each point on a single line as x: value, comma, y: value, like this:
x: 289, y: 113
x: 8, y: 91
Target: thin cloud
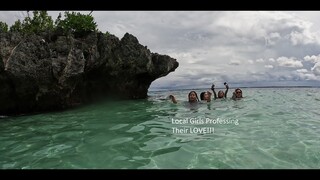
x: 259, y: 60
x: 268, y: 66
x: 316, y: 69
x: 235, y: 62
x: 302, y: 70
x: 289, y: 62
x: 313, y: 58
x: 272, y: 60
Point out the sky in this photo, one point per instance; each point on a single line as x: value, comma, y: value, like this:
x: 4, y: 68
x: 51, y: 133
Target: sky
x: 242, y: 48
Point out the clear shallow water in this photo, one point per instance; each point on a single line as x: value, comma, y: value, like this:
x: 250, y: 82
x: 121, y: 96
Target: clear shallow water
x: 269, y: 128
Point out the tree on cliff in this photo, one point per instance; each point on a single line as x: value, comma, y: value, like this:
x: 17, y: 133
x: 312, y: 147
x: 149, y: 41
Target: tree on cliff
x: 16, y: 27
x: 3, y: 27
x: 73, y: 23
x: 40, y: 22
x: 76, y: 23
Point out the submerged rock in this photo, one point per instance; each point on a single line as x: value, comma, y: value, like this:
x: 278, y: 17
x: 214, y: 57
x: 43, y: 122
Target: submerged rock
x: 42, y: 73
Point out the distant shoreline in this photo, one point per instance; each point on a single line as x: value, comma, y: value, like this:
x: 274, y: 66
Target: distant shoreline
x: 244, y: 87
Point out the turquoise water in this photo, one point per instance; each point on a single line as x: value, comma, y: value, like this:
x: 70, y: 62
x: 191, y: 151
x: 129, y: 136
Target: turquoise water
x: 269, y: 128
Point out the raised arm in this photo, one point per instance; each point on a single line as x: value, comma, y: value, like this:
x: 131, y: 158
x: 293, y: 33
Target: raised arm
x: 227, y: 86
x: 214, y: 92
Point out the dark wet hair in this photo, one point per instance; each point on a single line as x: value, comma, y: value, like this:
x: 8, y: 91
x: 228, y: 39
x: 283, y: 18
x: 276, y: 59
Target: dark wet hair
x: 220, y: 93
x: 194, y: 93
x: 202, y: 95
x: 239, y: 90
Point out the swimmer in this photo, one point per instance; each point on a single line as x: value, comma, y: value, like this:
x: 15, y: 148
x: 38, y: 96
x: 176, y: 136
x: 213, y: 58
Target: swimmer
x: 221, y: 94
x: 192, y: 98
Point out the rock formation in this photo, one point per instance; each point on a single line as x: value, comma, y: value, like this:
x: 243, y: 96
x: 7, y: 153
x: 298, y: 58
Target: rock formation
x: 53, y: 72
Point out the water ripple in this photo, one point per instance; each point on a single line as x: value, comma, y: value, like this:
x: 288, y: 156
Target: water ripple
x: 276, y: 128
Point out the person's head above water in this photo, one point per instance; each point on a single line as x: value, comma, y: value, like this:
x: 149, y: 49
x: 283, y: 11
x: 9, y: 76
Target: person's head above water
x: 193, y: 97
x: 238, y: 93
x: 206, y: 96
x: 220, y: 94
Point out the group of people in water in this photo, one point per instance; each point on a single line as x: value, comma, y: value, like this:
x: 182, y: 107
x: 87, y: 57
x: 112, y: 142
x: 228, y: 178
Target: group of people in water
x: 206, y: 96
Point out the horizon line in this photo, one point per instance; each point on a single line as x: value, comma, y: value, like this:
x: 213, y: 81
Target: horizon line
x: 240, y: 87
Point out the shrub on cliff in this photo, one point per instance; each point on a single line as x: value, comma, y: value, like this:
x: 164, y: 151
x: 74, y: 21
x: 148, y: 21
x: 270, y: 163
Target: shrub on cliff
x: 3, y: 27
x: 76, y: 23
x: 40, y: 22
x: 16, y: 27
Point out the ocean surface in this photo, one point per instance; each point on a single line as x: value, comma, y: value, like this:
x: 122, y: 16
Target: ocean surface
x: 270, y: 128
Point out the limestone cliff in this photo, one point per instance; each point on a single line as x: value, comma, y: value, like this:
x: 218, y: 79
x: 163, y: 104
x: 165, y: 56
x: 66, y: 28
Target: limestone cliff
x: 52, y: 71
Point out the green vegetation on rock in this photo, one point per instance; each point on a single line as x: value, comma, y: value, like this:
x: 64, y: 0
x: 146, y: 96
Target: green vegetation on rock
x: 73, y: 23
x: 3, y: 27
x: 76, y: 23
